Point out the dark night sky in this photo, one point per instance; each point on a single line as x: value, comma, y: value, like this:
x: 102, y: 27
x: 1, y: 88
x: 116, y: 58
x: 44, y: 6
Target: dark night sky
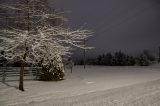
x: 126, y: 25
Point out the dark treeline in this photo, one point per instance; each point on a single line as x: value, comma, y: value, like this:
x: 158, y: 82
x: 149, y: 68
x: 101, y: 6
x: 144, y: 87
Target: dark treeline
x: 108, y: 59
x: 120, y: 59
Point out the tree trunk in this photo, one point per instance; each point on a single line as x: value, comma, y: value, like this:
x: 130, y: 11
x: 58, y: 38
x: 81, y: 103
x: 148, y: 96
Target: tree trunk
x: 21, y: 77
x: 22, y: 73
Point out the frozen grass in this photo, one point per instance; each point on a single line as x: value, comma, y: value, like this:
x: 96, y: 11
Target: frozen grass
x: 94, y: 86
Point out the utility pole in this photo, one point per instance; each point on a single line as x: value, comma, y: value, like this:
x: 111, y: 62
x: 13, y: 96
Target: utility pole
x: 159, y: 56
x: 84, y: 54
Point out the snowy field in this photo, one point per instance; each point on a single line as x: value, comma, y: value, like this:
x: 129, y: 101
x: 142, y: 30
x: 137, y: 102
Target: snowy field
x: 94, y: 86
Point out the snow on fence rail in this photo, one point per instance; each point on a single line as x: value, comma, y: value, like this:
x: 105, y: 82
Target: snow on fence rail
x: 11, y: 73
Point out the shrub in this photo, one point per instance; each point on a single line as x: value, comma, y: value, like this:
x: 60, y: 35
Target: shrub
x: 149, y: 55
x: 121, y: 59
x: 142, y: 60
x: 3, y: 61
x: 52, y: 71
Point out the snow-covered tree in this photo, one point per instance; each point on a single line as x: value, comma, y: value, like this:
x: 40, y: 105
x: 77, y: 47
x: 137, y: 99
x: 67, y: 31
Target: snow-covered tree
x: 32, y: 35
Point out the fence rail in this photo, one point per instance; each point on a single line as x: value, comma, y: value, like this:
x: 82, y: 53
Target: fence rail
x: 11, y: 73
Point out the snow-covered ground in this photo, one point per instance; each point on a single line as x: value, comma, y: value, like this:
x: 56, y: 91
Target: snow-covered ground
x: 94, y: 86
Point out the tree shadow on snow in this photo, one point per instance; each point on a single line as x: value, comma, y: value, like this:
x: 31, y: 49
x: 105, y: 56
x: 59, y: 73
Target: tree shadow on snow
x: 9, y: 85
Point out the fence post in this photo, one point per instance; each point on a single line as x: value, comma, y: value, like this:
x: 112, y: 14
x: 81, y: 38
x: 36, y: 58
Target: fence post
x: 37, y: 72
x: 4, y: 76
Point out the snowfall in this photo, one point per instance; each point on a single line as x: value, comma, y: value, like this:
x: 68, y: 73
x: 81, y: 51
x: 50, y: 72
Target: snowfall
x: 93, y: 86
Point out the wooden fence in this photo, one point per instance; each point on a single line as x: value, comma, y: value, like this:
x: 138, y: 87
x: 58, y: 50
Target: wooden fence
x: 12, y: 73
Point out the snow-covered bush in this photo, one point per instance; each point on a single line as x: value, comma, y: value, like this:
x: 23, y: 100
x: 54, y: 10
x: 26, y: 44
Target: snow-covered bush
x: 52, y: 70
